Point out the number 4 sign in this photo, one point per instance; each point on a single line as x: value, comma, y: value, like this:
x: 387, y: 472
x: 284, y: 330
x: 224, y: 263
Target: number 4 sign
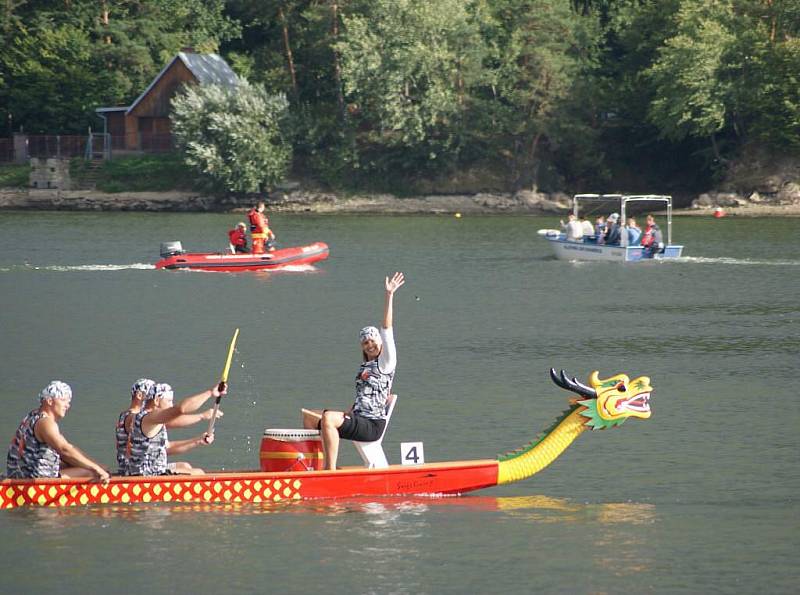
x: 412, y: 453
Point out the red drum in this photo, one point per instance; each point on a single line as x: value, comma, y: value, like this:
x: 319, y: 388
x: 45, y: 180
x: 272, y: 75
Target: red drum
x: 291, y: 450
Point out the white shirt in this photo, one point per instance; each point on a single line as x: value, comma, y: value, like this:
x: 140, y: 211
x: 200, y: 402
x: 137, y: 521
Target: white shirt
x: 574, y: 231
x: 387, y: 360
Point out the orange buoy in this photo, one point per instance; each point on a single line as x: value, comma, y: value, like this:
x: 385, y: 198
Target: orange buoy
x: 719, y: 212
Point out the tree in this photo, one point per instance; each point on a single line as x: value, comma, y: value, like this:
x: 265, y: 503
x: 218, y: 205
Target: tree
x: 544, y: 48
x: 407, y: 67
x: 692, y: 93
x: 62, y: 59
x: 764, y: 67
x: 233, y: 136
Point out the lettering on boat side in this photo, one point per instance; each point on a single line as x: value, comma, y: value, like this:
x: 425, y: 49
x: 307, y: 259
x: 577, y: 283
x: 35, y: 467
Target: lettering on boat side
x: 415, y: 484
x: 580, y: 248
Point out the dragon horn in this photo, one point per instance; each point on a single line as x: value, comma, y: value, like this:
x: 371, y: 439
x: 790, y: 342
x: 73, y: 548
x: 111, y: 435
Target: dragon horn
x: 587, y: 390
x: 572, y: 385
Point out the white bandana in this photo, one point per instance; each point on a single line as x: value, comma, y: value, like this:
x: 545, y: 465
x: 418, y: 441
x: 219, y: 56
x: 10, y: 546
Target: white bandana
x: 56, y: 390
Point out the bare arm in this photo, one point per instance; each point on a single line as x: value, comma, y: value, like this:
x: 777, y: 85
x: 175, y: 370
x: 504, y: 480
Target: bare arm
x: 392, y: 285
x: 47, y: 431
x: 177, y: 447
x: 190, y: 419
x: 187, y: 405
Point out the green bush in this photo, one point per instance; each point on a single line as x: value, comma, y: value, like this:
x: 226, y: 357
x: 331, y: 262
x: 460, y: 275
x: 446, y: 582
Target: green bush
x: 234, y: 137
x: 13, y: 175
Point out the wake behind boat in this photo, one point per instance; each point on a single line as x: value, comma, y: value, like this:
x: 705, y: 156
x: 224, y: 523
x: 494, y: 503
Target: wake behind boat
x: 602, y: 404
x: 592, y: 247
x: 173, y: 257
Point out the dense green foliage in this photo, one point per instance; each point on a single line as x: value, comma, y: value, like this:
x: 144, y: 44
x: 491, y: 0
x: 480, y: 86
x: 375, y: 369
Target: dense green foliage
x: 233, y: 136
x: 559, y: 94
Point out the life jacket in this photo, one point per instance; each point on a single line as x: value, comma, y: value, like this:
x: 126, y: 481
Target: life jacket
x: 372, y: 390
x: 259, y: 224
x: 649, y: 235
x: 28, y: 456
x: 147, y: 456
x: 237, y: 237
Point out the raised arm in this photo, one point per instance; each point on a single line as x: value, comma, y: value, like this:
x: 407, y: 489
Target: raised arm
x: 189, y: 419
x: 392, y: 285
x: 187, y: 405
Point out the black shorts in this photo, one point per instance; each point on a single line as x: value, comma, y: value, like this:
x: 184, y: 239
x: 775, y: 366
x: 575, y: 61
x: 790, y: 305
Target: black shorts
x: 361, y: 429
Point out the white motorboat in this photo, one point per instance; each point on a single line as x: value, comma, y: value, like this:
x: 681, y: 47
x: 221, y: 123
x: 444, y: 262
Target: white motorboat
x: 593, y: 248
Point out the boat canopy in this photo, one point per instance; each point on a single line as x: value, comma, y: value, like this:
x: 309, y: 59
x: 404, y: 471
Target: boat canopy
x: 622, y: 200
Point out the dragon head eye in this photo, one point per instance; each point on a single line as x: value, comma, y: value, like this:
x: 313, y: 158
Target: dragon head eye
x: 621, y: 387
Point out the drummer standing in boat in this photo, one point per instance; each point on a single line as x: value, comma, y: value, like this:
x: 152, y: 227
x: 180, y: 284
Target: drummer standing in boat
x: 366, y: 418
x: 38, y: 446
x: 259, y: 229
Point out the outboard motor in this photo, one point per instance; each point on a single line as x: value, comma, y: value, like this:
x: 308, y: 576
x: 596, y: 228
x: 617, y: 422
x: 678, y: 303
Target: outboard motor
x: 171, y: 249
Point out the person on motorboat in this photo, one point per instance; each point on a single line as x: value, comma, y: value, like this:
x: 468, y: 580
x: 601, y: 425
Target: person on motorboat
x: 38, y: 447
x: 238, y: 239
x: 149, y: 444
x: 259, y: 229
x: 600, y: 229
x: 652, y: 239
x: 142, y: 391
x: 366, y: 418
x: 586, y: 225
x: 634, y: 231
x: 572, y: 228
x: 612, y: 234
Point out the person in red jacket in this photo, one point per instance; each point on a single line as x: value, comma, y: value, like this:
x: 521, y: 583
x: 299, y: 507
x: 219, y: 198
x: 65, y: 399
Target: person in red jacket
x: 238, y: 239
x: 259, y: 229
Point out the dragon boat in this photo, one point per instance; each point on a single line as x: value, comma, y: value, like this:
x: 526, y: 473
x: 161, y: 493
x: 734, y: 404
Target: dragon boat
x: 173, y: 257
x: 602, y: 404
x: 588, y: 247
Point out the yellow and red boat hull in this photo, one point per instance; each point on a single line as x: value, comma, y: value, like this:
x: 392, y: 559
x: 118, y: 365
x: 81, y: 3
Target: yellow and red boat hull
x: 255, y: 486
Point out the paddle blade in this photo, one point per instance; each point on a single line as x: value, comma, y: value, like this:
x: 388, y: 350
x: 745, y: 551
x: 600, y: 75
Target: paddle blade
x: 228, y: 361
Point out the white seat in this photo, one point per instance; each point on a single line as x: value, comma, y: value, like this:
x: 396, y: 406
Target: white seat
x: 372, y: 452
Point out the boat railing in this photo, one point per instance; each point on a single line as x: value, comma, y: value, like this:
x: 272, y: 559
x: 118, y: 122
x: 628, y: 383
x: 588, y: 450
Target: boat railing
x: 623, y: 199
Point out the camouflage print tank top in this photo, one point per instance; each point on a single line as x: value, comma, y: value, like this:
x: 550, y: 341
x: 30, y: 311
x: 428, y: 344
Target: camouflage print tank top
x: 148, y: 456
x: 28, y: 456
x: 372, y: 390
x: 122, y: 443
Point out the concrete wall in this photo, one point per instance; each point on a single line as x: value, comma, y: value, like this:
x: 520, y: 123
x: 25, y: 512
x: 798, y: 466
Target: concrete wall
x: 50, y: 173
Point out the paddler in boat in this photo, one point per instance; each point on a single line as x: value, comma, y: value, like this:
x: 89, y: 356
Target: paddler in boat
x: 149, y: 445
x: 139, y: 394
x: 38, y: 446
x: 238, y: 239
x: 259, y: 229
x: 366, y: 418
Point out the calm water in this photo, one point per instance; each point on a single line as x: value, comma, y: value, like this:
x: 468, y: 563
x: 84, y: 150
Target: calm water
x: 700, y: 498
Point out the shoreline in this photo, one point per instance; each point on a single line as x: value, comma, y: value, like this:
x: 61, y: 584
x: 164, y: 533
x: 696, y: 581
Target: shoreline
x: 523, y: 203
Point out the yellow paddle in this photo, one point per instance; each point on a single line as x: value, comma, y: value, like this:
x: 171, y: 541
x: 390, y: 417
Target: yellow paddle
x: 223, y: 381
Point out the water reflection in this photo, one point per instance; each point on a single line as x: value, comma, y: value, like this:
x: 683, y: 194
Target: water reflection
x: 377, y: 512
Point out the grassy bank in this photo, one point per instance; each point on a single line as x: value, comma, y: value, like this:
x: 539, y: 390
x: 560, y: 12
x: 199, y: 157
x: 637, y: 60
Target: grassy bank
x: 13, y: 175
x: 140, y: 173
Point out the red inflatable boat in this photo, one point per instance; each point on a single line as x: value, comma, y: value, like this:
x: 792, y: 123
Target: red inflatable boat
x: 174, y: 257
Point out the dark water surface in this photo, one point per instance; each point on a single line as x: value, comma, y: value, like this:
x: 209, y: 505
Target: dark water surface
x: 700, y: 498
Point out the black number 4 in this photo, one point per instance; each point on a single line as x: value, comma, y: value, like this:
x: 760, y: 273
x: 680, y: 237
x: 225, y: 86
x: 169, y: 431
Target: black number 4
x: 412, y: 455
